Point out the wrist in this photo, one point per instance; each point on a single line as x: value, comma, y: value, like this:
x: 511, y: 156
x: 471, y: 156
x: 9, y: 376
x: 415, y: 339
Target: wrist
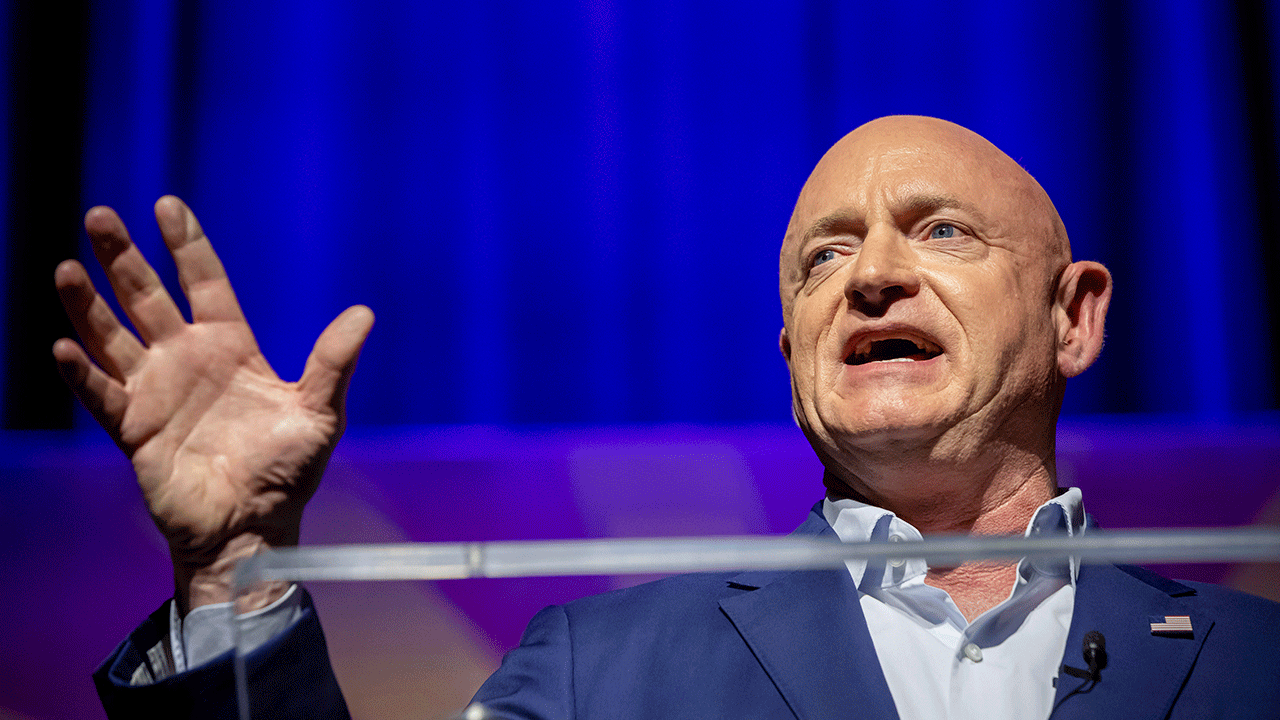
x: 206, y: 583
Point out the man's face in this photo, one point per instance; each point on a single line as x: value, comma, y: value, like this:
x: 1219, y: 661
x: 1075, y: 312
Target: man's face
x: 918, y: 279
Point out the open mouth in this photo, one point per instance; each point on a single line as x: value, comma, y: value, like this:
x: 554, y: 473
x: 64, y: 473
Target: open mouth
x: 892, y: 348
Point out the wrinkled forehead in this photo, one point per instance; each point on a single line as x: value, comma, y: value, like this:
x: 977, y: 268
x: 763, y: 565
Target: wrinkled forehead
x: 861, y: 177
x: 891, y: 168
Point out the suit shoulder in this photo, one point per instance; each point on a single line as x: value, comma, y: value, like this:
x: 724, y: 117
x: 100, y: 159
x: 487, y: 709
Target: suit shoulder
x: 1234, y: 601
x: 663, y: 595
x: 1246, y: 625
x: 1205, y: 596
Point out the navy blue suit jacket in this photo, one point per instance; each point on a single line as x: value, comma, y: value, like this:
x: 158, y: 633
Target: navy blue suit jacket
x: 794, y: 645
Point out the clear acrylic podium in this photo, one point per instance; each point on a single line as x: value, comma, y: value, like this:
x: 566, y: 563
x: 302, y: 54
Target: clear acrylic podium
x: 363, y: 564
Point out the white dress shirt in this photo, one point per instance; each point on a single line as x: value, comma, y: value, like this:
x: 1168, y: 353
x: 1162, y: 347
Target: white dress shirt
x: 1001, y: 666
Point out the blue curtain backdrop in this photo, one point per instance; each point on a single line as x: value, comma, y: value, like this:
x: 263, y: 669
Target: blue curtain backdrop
x: 570, y: 211
x: 568, y: 214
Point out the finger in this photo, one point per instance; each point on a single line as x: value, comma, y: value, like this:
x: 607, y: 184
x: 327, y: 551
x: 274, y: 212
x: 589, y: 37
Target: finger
x: 106, y: 339
x: 203, y: 278
x: 102, y: 395
x: 333, y: 359
x: 136, y: 284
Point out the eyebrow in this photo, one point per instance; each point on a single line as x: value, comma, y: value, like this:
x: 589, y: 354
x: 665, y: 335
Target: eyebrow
x: 833, y: 224
x: 914, y: 207
x: 925, y: 203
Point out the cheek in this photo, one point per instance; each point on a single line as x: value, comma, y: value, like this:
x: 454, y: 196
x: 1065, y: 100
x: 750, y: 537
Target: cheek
x: 1024, y: 339
x: 983, y: 286
x: 998, y: 315
x: 812, y: 326
x: 809, y: 370
x: 803, y: 356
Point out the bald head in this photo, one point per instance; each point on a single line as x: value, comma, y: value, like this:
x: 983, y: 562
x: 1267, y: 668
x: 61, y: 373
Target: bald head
x: 908, y: 160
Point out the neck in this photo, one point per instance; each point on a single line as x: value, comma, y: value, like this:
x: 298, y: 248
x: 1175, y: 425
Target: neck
x: 975, y: 587
x: 993, y: 495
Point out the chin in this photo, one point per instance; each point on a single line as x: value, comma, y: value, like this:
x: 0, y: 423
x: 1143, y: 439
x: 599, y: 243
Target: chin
x: 891, y: 412
x: 869, y: 431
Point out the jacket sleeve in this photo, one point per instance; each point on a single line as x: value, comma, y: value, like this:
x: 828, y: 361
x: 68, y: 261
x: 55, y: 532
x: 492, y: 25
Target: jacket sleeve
x: 288, y: 677
x: 535, y: 680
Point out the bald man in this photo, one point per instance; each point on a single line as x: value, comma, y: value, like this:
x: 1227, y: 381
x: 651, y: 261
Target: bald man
x: 932, y: 315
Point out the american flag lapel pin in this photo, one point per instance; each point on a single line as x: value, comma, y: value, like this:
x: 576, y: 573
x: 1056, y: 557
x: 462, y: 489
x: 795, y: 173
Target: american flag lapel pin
x: 1171, y: 625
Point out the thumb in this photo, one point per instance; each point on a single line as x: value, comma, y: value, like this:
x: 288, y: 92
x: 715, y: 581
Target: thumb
x: 333, y: 359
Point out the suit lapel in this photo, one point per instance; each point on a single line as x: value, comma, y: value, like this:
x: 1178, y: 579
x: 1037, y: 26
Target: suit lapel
x: 1144, y: 672
x: 807, y: 630
x: 809, y: 635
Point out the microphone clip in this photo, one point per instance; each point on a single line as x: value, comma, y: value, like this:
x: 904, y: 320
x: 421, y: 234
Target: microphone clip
x: 1095, y: 656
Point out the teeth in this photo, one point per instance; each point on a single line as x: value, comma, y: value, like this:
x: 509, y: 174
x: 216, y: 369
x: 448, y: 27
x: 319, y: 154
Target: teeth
x: 864, y: 347
x: 893, y: 348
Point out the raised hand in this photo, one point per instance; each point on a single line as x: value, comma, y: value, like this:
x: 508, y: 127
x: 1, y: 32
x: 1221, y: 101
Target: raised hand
x: 226, y: 453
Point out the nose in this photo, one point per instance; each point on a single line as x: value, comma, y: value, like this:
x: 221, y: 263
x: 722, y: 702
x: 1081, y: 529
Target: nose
x: 883, y: 273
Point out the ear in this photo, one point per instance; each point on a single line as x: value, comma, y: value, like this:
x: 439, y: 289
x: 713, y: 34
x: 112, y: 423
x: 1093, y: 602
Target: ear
x: 1080, y: 309
x: 784, y: 344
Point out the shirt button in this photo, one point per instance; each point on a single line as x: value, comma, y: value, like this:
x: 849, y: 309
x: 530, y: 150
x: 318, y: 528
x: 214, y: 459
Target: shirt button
x: 973, y: 652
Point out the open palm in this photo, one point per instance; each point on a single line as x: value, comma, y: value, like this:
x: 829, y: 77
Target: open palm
x: 223, y: 448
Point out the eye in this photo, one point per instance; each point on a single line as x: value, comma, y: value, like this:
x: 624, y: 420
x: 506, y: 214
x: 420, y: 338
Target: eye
x: 822, y: 256
x: 942, y: 232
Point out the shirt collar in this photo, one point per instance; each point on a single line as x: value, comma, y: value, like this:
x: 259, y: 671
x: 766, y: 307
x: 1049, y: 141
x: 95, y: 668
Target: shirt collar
x: 855, y: 521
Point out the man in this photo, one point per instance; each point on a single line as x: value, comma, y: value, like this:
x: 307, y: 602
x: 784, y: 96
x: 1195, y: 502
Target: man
x: 932, y: 317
